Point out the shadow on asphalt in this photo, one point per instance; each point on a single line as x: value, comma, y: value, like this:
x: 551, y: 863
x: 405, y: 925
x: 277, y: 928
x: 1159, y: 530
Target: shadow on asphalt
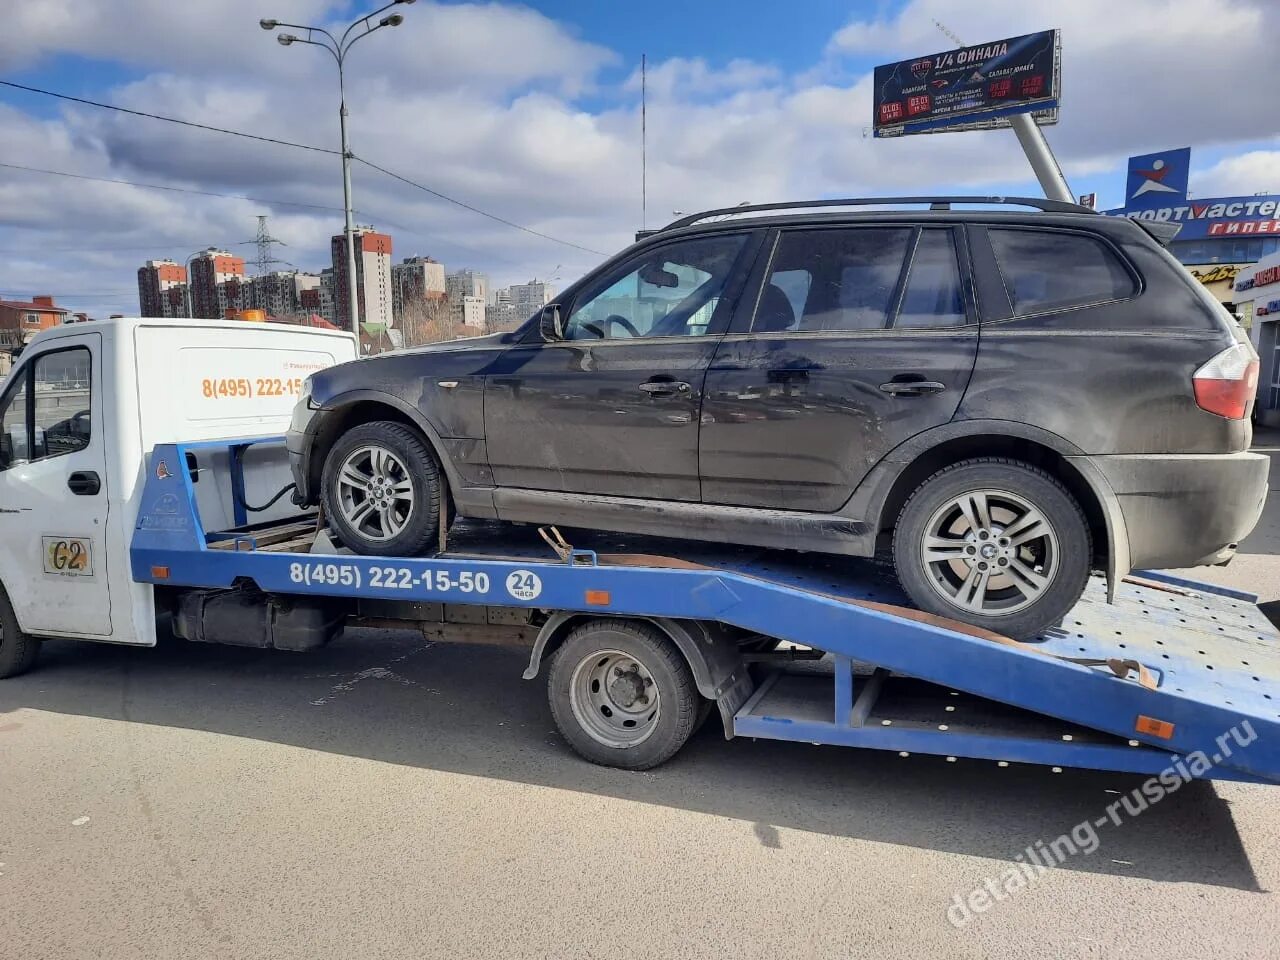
x: 389, y: 696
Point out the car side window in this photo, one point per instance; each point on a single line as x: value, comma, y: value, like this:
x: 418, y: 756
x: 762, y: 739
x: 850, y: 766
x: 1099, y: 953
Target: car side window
x: 933, y: 296
x: 1046, y: 270
x: 15, y: 444
x: 822, y: 280
x: 674, y: 291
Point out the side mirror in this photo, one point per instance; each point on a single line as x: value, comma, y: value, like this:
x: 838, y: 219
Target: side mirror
x: 550, y: 325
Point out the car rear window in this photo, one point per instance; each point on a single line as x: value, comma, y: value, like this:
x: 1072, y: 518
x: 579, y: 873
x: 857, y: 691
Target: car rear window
x: 1047, y: 270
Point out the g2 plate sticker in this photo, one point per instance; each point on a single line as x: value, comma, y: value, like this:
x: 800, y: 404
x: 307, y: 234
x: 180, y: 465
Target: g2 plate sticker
x: 68, y: 556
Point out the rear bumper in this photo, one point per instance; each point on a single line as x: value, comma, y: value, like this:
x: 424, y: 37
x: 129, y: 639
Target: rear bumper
x: 1186, y: 510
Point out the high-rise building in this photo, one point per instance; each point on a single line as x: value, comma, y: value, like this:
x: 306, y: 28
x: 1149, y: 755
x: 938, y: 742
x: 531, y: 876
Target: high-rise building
x: 328, y: 298
x: 162, y: 289
x: 280, y: 293
x: 466, y: 283
x: 372, y: 279
x: 415, y: 279
x: 272, y: 293
x: 217, y: 284
x: 501, y: 315
x: 470, y: 312
x: 528, y: 298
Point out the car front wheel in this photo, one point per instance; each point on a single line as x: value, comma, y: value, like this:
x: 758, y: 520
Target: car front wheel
x: 383, y: 490
x: 995, y: 543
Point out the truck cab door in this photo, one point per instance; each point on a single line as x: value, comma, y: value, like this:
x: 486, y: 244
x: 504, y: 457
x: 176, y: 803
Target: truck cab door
x: 53, y: 490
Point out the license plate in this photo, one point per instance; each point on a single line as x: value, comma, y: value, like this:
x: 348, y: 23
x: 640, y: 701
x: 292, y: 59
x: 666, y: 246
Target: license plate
x: 68, y: 556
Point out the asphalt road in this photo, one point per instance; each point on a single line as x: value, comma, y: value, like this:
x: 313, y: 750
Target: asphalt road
x: 390, y: 798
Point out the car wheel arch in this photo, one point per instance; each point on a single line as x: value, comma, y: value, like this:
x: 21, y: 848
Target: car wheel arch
x: 886, y: 489
x: 348, y: 410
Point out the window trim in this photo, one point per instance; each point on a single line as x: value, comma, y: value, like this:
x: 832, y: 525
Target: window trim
x: 29, y: 377
x: 1139, y: 284
x: 28, y: 412
x: 963, y: 275
x: 964, y: 271
x: 719, y: 323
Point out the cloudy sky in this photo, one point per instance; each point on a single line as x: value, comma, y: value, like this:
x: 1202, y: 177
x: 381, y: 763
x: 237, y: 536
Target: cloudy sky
x: 532, y: 112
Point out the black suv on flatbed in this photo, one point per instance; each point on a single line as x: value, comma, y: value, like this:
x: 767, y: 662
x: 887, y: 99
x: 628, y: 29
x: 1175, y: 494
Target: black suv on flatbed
x: 1008, y: 399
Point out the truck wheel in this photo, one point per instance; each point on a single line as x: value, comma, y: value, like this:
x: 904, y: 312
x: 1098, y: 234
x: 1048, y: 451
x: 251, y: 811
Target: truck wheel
x: 995, y: 543
x: 382, y: 490
x: 18, y: 650
x: 622, y: 694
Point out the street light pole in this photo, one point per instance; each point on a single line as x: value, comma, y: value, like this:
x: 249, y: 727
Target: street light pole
x: 338, y: 48
x: 353, y: 307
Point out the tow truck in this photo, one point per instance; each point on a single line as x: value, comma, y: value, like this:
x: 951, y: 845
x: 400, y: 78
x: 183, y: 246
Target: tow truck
x: 142, y: 482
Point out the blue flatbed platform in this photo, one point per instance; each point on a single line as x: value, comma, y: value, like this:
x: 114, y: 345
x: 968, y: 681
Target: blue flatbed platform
x: 891, y: 678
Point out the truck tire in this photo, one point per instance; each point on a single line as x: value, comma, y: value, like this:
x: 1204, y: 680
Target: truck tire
x: 622, y: 694
x: 383, y: 490
x: 18, y: 650
x: 995, y: 543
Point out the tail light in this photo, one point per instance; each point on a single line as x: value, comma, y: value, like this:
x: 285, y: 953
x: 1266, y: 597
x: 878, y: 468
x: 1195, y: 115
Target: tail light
x: 1226, y: 384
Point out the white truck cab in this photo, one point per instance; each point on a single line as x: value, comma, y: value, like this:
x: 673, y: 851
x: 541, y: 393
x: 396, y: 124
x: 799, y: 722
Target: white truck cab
x: 80, y: 412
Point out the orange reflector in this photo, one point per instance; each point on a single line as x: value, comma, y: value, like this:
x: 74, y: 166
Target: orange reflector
x: 1153, y: 727
x: 598, y: 598
x: 160, y: 573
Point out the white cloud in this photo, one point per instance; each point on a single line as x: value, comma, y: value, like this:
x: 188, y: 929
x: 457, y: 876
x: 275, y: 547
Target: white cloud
x: 685, y: 78
x: 1257, y: 171
x: 507, y: 109
x: 1137, y: 74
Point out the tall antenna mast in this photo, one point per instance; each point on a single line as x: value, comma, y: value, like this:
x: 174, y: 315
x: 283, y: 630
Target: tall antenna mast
x: 644, y: 145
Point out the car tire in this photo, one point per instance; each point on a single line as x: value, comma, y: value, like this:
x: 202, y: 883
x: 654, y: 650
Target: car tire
x: 953, y: 564
x: 598, y: 677
x: 18, y: 650
x: 383, y: 490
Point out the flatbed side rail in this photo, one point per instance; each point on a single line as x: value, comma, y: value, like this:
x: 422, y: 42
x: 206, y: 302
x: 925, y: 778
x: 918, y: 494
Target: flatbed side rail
x: 169, y: 548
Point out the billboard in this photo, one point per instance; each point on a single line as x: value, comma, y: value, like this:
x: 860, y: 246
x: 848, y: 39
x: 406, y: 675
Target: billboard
x: 970, y: 87
x: 1156, y: 189
x: 1216, y: 218
x: 1157, y: 179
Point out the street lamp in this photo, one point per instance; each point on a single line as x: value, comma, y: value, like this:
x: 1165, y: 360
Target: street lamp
x: 338, y: 48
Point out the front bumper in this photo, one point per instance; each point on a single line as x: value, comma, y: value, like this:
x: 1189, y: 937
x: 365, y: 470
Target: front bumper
x: 1186, y: 510
x: 298, y: 442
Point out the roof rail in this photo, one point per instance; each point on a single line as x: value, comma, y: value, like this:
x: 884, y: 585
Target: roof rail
x: 935, y: 203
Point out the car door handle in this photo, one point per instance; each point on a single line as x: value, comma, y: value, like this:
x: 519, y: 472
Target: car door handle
x: 912, y: 388
x: 665, y: 388
x: 84, y: 483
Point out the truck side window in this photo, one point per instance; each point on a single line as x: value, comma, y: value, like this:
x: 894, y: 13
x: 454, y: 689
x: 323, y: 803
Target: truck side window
x: 13, y: 423
x: 62, y: 414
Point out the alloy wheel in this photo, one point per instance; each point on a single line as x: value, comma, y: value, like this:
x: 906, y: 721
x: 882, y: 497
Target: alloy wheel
x: 375, y: 492
x: 990, y: 552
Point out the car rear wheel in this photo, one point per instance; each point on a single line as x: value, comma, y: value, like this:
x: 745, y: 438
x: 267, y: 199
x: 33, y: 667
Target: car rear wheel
x: 383, y: 490
x: 995, y: 543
